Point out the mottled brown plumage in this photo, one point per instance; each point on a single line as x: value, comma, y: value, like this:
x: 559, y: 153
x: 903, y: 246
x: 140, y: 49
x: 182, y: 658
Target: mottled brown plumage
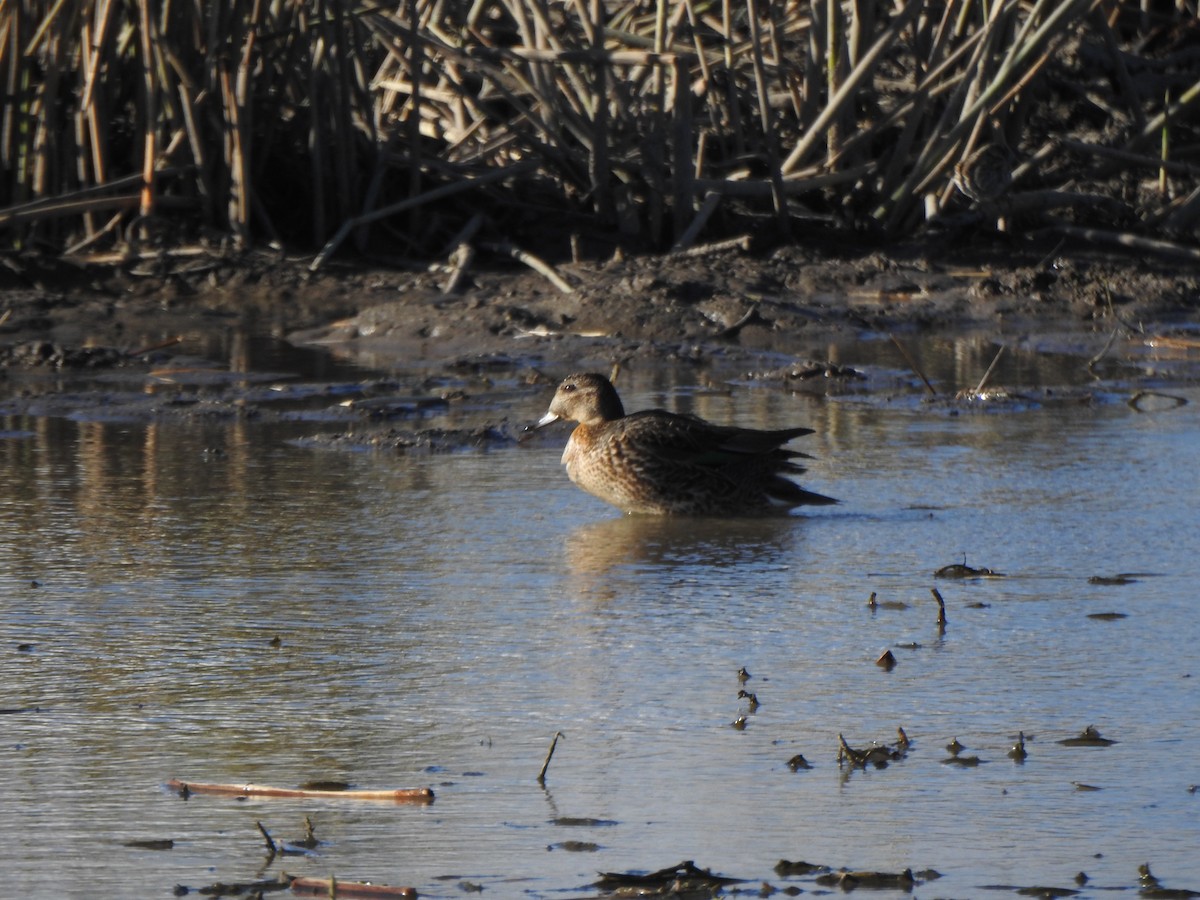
x: 661, y: 463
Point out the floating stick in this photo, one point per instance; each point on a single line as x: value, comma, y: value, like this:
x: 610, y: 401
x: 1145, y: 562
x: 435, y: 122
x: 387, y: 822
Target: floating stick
x: 332, y: 887
x: 409, y: 795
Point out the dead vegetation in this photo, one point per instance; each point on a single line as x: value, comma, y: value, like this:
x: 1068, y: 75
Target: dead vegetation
x: 138, y: 128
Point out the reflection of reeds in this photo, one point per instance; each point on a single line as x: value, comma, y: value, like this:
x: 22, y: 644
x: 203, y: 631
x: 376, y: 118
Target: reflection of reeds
x: 313, y: 119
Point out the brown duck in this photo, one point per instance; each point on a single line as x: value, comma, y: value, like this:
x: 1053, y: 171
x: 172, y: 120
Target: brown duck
x: 656, y: 462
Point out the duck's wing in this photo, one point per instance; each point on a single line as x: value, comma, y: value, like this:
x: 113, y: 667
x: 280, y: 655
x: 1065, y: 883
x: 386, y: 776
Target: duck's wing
x: 683, y: 439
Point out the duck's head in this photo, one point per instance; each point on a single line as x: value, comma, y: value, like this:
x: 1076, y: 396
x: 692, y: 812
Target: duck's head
x: 586, y: 398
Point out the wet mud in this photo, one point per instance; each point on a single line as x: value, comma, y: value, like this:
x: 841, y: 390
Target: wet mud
x: 108, y: 344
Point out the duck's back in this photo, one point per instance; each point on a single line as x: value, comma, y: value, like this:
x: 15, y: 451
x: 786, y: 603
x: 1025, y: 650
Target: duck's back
x: 657, y: 462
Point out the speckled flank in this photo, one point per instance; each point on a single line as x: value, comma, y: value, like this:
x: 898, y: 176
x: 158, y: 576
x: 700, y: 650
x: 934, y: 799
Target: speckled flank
x: 660, y: 463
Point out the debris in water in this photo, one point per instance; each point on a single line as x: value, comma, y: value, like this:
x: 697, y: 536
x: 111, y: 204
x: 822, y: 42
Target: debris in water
x: 962, y: 570
x: 1047, y: 892
x: 1112, y: 580
x: 575, y: 846
x: 873, y: 603
x: 876, y: 755
x: 1018, y: 751
x: 1151, y: 887
x: 680, y: 879
x: 403, y: 795
x: 335, y: 887
x: 941, y: 618
x: 549, y: 754
x: 581, y: 822
x: 1089, y: 737
x: 848, y: 881
x: 964, y: 762
x: 785, y: 868
x: 248, y: 888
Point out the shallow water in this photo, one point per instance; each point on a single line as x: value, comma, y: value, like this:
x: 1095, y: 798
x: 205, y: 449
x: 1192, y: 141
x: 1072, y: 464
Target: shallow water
x: 441, y: 617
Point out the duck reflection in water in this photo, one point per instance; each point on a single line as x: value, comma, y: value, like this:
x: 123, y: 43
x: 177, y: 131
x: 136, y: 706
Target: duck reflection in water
x: 614, y: 554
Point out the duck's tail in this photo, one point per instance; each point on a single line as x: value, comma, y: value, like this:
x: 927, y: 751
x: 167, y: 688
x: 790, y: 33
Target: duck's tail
x: 784, y: 493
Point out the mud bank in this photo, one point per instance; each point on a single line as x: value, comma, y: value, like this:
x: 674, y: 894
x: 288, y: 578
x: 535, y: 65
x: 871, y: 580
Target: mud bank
x: 180, y: 331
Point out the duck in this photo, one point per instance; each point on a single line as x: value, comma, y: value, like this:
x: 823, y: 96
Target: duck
x: 661, y: 463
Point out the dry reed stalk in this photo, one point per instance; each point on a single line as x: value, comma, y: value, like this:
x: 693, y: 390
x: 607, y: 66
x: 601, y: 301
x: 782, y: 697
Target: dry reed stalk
x: 633, y: 111
x: 846, y: 90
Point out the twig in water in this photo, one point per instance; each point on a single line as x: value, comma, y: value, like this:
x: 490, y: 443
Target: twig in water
x: 153, y: 347
x: 988, y: 374
x: 271, y: 848
x: 845, y: 751
x: 912, y: 364
x: 941, y: 619
x: 1091, y: 364
x: 549, y: 754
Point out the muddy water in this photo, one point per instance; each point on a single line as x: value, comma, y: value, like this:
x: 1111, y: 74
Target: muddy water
x: 439, y: 618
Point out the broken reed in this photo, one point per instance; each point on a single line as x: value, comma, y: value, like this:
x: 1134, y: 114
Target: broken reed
x: 291, y: 119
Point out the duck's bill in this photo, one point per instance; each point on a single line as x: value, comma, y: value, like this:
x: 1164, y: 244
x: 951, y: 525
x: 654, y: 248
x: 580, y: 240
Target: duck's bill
x: 547, y: 419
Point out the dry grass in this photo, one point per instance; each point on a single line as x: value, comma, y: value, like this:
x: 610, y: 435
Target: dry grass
x: 312, y: 121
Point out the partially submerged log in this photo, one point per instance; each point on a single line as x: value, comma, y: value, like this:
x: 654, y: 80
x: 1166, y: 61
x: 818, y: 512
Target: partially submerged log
x: 328, y: 887
x: 402, y: 795
x: 1089, y: 737
x: 848, y: 881
x: 684, y: 878
x: 878, y: 755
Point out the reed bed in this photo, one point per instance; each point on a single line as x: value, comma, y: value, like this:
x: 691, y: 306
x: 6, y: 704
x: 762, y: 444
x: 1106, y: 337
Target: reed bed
x: 322, y: 123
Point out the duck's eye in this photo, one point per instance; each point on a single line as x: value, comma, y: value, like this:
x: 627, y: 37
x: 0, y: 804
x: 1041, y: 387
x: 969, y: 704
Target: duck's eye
x: 567, y: 388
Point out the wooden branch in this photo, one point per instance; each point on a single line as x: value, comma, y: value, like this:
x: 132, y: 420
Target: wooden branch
x: 330, y: 887
x: 403, y: 795
x: 1128, y: 241
x: 741, y: 242
x: 538, y: 265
